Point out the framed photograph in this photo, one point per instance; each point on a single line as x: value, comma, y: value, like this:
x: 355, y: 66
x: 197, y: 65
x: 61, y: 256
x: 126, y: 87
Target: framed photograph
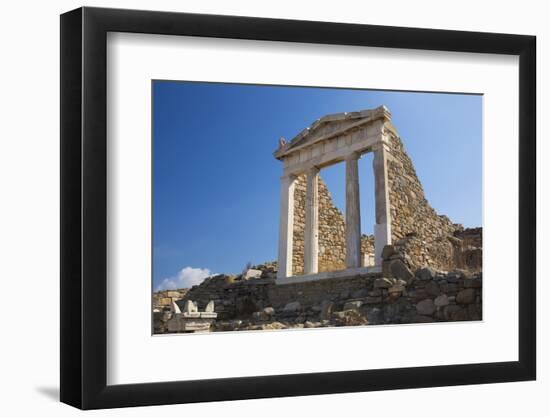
x: 261, y: 208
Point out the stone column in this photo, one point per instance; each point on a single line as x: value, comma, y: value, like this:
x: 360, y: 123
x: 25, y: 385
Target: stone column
x: 382, y: 228
x: 311, y: 234
x: 353, y: 216
x: 286, y: 227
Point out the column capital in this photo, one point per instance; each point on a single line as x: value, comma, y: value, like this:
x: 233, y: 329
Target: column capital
x: 288, y: 177
x: 353, y: 156
x: 381, y: 145
x: 313, y: 170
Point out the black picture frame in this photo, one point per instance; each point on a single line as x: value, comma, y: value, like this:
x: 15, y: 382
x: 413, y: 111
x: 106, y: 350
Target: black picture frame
x: 84, y: 207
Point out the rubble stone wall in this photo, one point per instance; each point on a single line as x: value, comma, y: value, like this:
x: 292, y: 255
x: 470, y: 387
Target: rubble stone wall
x: 429, y: 235
x: 332, y: 238
x: 430, y: 296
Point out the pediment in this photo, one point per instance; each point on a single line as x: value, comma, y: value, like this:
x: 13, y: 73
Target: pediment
x: 328, y: 127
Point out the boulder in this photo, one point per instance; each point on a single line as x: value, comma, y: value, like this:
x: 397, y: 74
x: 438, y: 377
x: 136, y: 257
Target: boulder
x: 425, y: 307
x: 441, y: 300
x: 425, y: 274
x: 270, y: 311
x: 432, y: 288
x: 399, y: 270
x: 292, y: 307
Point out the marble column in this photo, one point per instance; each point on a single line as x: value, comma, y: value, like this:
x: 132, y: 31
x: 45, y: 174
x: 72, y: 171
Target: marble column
x: 382, y: 228
x: 353, y: 216
x: 286, y: 227
x: 311, y: 234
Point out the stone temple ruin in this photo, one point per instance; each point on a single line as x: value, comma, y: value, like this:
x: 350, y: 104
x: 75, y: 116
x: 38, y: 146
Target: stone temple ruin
x: 314, y: 240
x: 418, y: 267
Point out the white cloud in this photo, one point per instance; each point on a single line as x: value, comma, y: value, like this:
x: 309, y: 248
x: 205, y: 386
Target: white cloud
x: 186, y: 278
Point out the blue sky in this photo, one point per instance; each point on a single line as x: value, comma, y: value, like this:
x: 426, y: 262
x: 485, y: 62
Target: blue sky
x: 216, y: 182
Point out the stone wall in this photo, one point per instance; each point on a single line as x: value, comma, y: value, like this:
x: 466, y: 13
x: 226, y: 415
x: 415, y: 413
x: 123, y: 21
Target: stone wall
x: 162, y: 299
x: 256, y: 304
x: 332, y: 237
x: 426, y: 236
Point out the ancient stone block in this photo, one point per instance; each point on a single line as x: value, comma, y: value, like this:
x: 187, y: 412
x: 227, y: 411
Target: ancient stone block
x: 190, y: 307
x: 270, y: 311
x: 292, y: 307
x: 251, y: 274
x: 425, y: 307
x: 426, y: 273
x: 441, y: 300
x: 400, y: 270
x: 209, y: 307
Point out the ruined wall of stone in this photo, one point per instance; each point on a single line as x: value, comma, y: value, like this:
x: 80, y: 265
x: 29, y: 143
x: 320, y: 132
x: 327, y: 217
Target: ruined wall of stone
x: 469, y: 248
x: 427, y: 233
x: 332, y: 237
x: 259, y: 304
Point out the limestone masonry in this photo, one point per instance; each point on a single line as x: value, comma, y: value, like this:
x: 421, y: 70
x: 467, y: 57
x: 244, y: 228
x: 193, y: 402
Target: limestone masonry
x: 417, y: 267
x: 332, y: 238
